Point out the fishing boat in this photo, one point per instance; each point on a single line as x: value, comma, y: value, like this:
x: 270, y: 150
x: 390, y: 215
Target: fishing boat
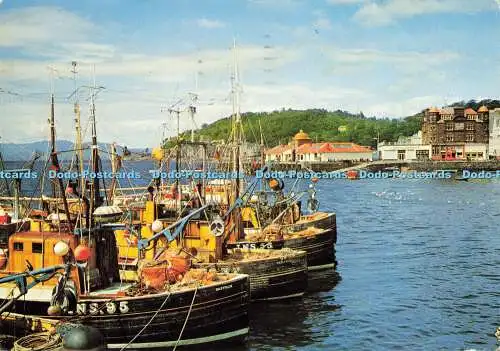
x: 185, y: 311
x: 281, y: 224
x: 274, y: 274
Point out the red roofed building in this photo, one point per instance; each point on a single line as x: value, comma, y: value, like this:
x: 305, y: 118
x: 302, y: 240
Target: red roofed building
x: 301, y: 148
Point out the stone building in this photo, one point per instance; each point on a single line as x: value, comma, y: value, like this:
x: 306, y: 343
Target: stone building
x: 456, y: 133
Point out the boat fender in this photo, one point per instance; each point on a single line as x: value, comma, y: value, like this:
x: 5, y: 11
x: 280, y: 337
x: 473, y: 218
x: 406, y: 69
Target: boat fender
x: 312, y: 205
x: 64, y: 300
x: 84, y: 338
x: 296, y: 212
x: 217, y: 227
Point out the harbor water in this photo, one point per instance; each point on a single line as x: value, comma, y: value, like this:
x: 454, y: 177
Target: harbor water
x: 419, y: 262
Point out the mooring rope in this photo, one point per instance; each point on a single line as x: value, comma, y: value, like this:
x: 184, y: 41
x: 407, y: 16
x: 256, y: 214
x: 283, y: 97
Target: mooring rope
x: 148, y: 323
x: 187, y: 318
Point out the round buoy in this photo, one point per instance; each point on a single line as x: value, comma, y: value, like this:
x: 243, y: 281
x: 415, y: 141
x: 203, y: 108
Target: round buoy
x: 61, y: 248
x: 54, y: 310
x: 82, y: 253
x: 84, y: 338
x: 315, y: 179
x: 157, y: 226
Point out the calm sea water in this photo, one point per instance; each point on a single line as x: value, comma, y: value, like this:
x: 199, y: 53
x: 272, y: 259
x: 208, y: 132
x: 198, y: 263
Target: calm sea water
x: 419, y: 262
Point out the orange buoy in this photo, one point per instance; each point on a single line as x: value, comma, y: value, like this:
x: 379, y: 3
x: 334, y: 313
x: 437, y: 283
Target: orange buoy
x: 314, y: 179
x: 82, y: 253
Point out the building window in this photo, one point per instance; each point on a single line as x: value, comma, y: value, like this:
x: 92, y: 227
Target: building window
x: 422, y: 154
x: 449, y: 126
x: 459, y: 126
x: 447, y: 118
x: 435, y: 150
x: 449, y: 137
x: 469, y: 137
x: 471, y: 117
x: 401, y: 154
x: 469, y: 126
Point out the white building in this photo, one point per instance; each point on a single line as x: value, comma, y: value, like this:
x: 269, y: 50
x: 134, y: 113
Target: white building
x: 494, y: 128
x: 302, y: 149
x: 405, y: 149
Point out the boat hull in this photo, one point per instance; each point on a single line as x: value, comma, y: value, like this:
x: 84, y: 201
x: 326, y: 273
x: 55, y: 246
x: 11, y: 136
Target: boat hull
x: 219, y: 313
x: 272, y: 278
x: 320, y: 247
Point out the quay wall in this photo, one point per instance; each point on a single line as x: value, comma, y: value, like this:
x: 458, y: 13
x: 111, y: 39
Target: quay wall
x: 380, y: 165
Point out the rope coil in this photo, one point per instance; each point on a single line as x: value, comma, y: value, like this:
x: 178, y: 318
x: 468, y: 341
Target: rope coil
x: 38, y: 342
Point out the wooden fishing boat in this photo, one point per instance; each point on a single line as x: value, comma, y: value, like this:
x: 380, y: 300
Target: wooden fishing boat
x: 274, y: 274
x: 212, y: 310
x: 285, y: 226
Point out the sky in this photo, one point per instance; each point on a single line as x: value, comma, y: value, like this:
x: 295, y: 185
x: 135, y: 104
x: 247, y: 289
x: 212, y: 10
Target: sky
x: 386, y: 58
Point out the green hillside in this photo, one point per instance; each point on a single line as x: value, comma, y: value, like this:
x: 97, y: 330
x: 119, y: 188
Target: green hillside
x: 321, y: 125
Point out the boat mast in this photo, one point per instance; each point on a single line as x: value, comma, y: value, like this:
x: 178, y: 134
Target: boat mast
x: 95, y: 194
x: 55, y: 161
x: 115, y: 166
x: 236, y: 141
x: 78, y: 126
x: 236, y: 119
x: 2, y: 168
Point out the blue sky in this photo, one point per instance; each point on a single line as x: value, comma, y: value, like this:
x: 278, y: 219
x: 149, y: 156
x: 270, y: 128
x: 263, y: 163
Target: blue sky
x: 383, y: 57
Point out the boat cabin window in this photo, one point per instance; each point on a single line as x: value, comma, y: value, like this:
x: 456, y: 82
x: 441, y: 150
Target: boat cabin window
x: 164, y: 212
x: 36, y: 248
x: 18, y: 247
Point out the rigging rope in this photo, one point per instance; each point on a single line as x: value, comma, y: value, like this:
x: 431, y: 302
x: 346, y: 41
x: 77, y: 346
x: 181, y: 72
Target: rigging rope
x: 187, y: 318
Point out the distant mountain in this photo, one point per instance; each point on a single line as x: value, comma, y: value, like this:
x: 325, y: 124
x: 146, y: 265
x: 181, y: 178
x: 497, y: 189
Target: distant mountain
x: 25, y: 151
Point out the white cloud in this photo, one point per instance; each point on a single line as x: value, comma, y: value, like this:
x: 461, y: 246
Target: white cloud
x: 160, y: 68
x: 406, y: 107
x: 388, y: 11
x: 210, y: 24
x: 404, y: 59
x: 29, y: 26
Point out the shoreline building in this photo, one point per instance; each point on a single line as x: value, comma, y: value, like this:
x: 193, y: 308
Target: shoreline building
x: 405, y: 149
x: 302, y: 149
x: 494, y: 141
x: 456, y: 133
